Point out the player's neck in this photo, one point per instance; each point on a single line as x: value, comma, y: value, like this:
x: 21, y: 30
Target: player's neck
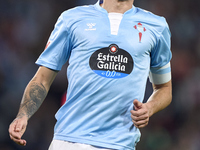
x: 117, y: 6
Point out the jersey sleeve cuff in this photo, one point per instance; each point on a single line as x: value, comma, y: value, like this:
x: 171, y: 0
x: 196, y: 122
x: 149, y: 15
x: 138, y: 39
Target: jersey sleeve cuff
x: 160, y: 75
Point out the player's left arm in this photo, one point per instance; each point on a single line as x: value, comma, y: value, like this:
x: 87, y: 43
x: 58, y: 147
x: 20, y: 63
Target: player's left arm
x: 160, y: 77
x: 160, y: 99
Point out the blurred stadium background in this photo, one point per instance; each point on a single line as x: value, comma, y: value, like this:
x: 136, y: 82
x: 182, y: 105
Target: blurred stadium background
x: 25, y: 26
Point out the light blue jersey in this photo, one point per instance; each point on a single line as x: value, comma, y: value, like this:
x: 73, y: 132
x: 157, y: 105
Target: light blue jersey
x: 110, y: 58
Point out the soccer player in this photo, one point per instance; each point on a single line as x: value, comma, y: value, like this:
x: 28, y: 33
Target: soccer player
x: 112, y: 47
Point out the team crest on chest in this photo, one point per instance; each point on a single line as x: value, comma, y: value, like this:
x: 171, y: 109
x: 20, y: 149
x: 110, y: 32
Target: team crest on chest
x: 139, y: 27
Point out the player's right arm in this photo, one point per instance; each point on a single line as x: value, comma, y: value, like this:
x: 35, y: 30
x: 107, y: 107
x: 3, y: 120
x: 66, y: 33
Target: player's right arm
x: 32, y: 99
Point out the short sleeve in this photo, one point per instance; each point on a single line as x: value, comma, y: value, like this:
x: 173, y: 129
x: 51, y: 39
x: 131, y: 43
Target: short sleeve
x: 57, y: 50
x: 160, y: 69
x: 161, y: 54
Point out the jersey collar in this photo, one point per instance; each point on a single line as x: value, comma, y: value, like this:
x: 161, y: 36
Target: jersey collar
x: 97, y: 5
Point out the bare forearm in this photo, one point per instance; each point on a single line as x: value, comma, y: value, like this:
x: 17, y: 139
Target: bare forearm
x: 32, y: 99
x: 36, y: 92
x: 160, y: 98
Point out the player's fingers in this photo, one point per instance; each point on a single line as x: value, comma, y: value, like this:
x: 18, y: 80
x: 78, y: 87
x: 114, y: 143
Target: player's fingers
x: 12, y: 131
x: 19, y: 141
x: 139, y: 112
x: 18, y: 126
x: 12, y: 126
x: 22, y: 142
x: 141, y: 126
x: 15, y: 135
x: 137, y: 104
x: 17, y: 129
x: 138, y: 118
x: 141, y: 123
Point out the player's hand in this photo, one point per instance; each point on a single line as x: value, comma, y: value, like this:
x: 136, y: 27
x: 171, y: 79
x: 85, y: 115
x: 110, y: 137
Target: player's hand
x: 17, y: 129
x: 140, y: 114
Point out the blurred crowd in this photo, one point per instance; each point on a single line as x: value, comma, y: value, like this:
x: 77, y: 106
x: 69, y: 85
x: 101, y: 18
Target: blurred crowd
x: 25, y: 26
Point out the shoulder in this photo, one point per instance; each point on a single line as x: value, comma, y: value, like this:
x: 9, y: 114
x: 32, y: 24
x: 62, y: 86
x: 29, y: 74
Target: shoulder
x: 71, y: 16
x: 78, y: 11
x: 152, y: 20
x: 75, y: 15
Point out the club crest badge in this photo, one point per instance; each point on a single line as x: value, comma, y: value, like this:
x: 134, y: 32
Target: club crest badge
x: 140, y: 29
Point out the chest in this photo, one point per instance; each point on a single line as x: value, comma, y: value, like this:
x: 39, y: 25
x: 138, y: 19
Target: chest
x: 94, y: 32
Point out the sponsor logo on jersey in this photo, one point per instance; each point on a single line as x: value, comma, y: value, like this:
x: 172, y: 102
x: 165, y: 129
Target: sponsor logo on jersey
x: 140, y: 29
x: 111, y: 62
